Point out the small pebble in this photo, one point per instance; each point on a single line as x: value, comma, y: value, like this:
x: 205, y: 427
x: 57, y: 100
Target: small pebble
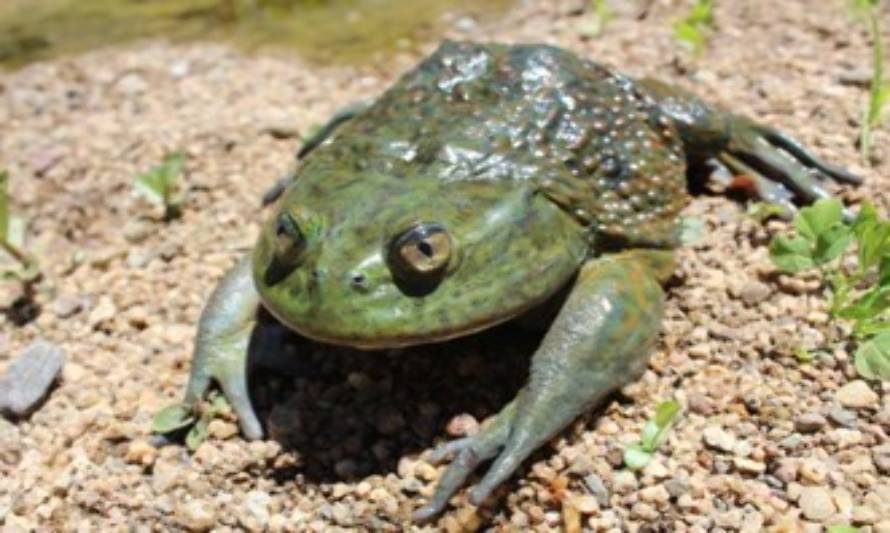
x: 462, y: 425
x: 597, y: 488
x: 222, y: 429
x: 809, y: 423
x: 656, y: 494
x: 842, y: 417
x: 814, y: 471
x: 29, y: 378
x: 857, y: 395
x: 624, y: 482
x: 141, y: 452
x: 749, y: 466
x: 816, y: 503
x: 586, y: 503
x: 195, y: 515
x: 754, y: 292
x: 718, y: 439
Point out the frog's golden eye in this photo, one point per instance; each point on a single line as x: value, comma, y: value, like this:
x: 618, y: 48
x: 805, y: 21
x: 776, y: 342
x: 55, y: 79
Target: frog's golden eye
x: 420, y: 254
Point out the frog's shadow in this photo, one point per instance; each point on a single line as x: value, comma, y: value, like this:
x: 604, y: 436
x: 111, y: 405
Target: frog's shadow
x: 349, y: 414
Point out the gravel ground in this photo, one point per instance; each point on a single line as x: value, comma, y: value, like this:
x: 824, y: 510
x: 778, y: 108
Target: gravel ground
x: 765, y: 440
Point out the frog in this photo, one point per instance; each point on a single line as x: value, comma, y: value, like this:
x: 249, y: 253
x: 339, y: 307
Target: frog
x: 489, y: 181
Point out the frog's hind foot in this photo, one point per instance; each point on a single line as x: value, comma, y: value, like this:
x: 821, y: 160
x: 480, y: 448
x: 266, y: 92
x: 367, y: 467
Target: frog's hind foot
x: 467, y: 454
x: 779, y: 168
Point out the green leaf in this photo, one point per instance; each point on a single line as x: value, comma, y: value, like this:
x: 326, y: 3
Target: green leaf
x: 761, y: 211
x: 831, y: 243
x: 803, y: 355
x: 817, y: 219
x: 4, y: 205
x: 655, y: 430
x: 595, y: 22
x: 842, y: 528
x: 792, y: 253
x: 686, y: 32
x: 874, y: 242
x: 872, y: 358
x: 867, y: 215
x: 218, y: 404
x: 869, y: 305
x: 884, y: 271
x: 171, y: 418
x: 636, y: 458
x: 869, y: 327
x: 198, y: 434
x: 158, y: 184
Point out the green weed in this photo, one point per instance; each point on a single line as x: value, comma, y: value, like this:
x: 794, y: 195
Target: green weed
x: 694, y: 30
x: 596, y: 19
x: 637, y: 456
x: 177, y: 417
x: 861, y: 295
x: 12, y: 238
x: 879, y: 91
x: 160, y: 185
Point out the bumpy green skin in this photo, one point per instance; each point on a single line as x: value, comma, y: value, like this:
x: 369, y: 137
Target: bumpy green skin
x: 548, y: 172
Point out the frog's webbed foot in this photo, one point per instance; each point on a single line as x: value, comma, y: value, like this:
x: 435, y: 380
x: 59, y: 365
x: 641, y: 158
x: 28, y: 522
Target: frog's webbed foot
x: 600, y: 340
x: 779, y: 168
x: 221, y: 346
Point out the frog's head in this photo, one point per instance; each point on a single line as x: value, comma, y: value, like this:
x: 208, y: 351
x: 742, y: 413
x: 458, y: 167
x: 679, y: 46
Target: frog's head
x: 375, y: 265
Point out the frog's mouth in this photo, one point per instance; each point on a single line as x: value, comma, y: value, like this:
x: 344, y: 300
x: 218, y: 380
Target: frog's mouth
x: 388, y: 340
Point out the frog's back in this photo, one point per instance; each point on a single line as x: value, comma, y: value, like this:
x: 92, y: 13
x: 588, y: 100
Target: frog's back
x: 534, y: 115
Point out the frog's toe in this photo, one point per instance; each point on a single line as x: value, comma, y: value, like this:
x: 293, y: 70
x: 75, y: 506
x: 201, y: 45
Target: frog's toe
x: 775, y: 161
x: 761, y: 186
x: 235, y: 390
x: 808, y: 158
x: 468, y: 453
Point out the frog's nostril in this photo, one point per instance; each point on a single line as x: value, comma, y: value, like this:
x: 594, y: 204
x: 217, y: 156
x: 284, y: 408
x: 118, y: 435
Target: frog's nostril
x: 358, y: 280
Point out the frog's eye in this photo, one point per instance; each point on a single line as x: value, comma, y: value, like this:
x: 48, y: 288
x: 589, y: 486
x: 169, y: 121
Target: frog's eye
x: 289, y: 240
x: 420, y: 254
x: 288, y: 243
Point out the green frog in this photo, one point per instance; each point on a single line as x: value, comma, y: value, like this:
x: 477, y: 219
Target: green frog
x: 484, y: 182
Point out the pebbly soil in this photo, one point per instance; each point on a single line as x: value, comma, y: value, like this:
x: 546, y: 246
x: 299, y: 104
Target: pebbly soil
x: 765, y: 441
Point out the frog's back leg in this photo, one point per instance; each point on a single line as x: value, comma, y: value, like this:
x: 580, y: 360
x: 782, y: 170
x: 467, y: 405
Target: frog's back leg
x: 781, y: 170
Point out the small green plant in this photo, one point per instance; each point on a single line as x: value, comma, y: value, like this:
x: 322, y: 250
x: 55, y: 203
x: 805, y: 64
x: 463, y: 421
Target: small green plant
x: 842, y: 528
x: 12, y: 237
x: 761, y: 211
x: 861, y: 294
x: 597, y: 17
x: 879, y: 90
x: 637, y: 456
x: 159, y: 185
x: 177, y: 416
x: 694, y: 30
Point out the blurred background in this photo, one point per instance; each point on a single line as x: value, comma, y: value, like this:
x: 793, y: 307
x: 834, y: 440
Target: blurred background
x: 339, y: 31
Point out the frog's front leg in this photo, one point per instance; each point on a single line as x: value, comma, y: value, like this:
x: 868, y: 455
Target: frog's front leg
x: 221, y: 345
x: 780, y: 169
x: 600, y: 340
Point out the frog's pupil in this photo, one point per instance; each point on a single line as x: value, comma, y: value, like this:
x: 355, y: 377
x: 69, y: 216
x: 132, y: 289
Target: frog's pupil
x: 425, y: 248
